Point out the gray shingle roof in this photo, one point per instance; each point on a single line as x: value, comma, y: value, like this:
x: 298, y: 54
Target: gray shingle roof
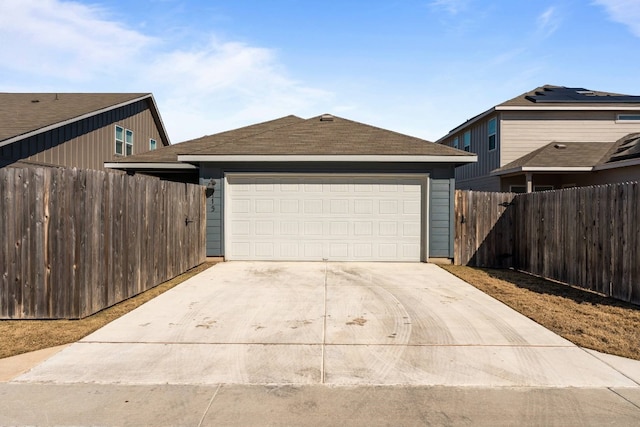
x: 571, y: 154
x: 170, y: 154
x: 21, y: 113
x: 525, y: 99
x: 321, y: 135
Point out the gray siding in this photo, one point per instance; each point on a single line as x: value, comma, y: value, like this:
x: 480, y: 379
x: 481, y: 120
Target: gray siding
x: 89, y: 142
x: 440, y: 195
x: 214, y: 208
x: 521, y: 132
x: 487, y: 160
x: 440, y: 218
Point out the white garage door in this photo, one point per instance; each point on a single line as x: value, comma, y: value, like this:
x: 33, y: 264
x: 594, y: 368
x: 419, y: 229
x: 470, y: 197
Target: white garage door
x: 311, y: 217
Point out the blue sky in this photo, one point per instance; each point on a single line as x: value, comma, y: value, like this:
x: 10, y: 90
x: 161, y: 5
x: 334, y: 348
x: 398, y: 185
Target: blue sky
x: 415, y: 67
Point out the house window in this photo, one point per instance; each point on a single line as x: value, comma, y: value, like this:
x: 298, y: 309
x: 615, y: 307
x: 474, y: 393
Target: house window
x: 455, y: 143
x: 628, y: 118
x: 491, y: 131
x: 119, y: 140
x: 128, y: 140
x: 152, y: 144
x: 466, y: 139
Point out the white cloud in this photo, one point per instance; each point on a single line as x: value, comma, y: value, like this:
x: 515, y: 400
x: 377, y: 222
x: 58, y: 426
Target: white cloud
x: 223, y: 85
x: 64, y: 39
x: 548, y: 21
x: 626, y: 12
x: 58, y: 45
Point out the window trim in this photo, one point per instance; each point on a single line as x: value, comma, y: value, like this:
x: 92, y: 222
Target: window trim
x: 128, y: 144
x: 121, y: 141
x: 494, y: 134
x: 466, y: 141
x: 153, y: 144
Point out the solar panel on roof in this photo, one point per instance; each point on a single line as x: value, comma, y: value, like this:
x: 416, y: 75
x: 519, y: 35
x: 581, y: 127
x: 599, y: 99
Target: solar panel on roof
x: 628, y: 150
x: 577, y: 95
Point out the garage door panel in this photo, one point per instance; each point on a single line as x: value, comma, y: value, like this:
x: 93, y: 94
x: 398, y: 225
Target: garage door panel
x: 388, y: 207
x: 313, y: 218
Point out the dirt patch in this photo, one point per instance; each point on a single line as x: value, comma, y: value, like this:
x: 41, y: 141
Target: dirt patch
x: 357, y: 321
x: 23, y: 336
x: 585, y: 318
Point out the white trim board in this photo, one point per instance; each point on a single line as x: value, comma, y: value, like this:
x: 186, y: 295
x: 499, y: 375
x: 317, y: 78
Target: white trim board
x: 327, y: 158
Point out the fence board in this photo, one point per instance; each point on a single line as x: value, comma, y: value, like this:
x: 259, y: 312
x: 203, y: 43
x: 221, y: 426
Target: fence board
x: 587, y: 236
x: 73, y: 242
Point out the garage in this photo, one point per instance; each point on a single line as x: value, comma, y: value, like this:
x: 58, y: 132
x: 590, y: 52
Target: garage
x: 294, y: 189
x: 334, y: 217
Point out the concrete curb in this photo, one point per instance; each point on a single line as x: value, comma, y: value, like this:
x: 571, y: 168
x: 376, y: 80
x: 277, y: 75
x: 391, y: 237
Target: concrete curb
x: 11, y: 367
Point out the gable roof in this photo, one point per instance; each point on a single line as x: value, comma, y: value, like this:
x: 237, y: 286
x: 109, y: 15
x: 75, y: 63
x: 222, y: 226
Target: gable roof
x: 330, y: 135
x: 555, y: 98
x: 26, y: 114
x: 321, y: 138
x: 577, y: 157
x: 170, y: 154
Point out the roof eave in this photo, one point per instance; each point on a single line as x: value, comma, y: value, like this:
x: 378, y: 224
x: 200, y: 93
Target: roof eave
x: 155, y: 112
x: 618, y: 164
x: 75, y: 119
x: 149, y: 166
x: 329, y: 158
x: 467, y: 123
x: 542, y: 169
x: 567, y: 108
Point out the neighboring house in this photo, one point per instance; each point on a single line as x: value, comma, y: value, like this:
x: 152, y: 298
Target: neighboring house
x: 81, y: 130
x: 321, y: 188
x: 552, y: 137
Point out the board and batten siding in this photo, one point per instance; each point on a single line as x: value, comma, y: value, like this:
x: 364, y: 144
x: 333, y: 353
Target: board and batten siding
x: 89, y: 142
x: 525, y: 131
x: 441, y: 177
x: 487, y: 160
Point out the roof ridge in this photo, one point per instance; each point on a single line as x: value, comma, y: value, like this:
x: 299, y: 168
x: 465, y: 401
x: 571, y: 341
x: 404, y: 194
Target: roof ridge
x: 373, y: 127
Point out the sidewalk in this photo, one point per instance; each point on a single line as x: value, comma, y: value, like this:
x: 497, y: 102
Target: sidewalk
x: 171, y: 405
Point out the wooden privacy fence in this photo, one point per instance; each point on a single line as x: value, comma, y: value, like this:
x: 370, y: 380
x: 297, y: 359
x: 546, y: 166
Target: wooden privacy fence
x: 587, y: 236
x: 484, y: 229
x: 73, y: 242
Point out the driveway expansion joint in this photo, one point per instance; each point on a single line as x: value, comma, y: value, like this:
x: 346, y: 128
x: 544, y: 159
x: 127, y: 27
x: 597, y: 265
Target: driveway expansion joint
x: 206, y: 411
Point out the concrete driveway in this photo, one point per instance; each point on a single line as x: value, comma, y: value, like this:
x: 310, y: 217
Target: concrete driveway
x: 334, y: 323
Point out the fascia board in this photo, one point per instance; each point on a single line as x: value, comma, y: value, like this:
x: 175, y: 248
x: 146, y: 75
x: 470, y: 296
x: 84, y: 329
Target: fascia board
x: 132, y: 165
x: 327, y: 158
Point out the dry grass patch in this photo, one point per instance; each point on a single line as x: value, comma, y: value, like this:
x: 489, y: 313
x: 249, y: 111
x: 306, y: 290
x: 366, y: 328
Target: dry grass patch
x: 22, y: 336
x: 585, y: 318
